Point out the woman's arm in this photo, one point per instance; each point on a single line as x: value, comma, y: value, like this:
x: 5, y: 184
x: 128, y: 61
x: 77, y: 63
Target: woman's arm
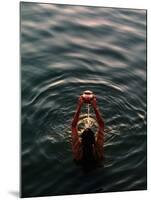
x: 100, y: 135
x: 77, y: 114
x: 76, y: 145
x: 98, y: 115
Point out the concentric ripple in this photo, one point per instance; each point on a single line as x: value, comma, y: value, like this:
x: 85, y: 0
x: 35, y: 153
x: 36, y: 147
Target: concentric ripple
x: 64, y: 51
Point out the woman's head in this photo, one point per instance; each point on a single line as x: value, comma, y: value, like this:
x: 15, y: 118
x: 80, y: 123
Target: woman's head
x: 88, y: 137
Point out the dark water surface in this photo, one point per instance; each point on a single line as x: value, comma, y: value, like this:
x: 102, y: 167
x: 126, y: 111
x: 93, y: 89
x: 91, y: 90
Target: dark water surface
x: 64, y: 51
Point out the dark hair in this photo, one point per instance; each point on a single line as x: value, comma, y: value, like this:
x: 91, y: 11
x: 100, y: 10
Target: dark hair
x: 88, y: 139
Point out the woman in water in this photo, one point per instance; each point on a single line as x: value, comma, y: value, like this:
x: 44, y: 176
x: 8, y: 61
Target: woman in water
x: 88, y: 149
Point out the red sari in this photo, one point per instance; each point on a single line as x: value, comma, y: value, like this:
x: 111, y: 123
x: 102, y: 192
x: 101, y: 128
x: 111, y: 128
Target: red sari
x: 76, y: 142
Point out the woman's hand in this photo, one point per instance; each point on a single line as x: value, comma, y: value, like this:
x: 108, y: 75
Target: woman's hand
x: 93, y: 102
x: 80, y: 100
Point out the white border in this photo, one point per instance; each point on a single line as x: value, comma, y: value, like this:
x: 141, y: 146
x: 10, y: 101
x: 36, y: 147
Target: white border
x: 9, y: 98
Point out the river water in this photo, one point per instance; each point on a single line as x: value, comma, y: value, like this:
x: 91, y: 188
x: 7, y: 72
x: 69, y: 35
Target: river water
x: 64, y: 51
